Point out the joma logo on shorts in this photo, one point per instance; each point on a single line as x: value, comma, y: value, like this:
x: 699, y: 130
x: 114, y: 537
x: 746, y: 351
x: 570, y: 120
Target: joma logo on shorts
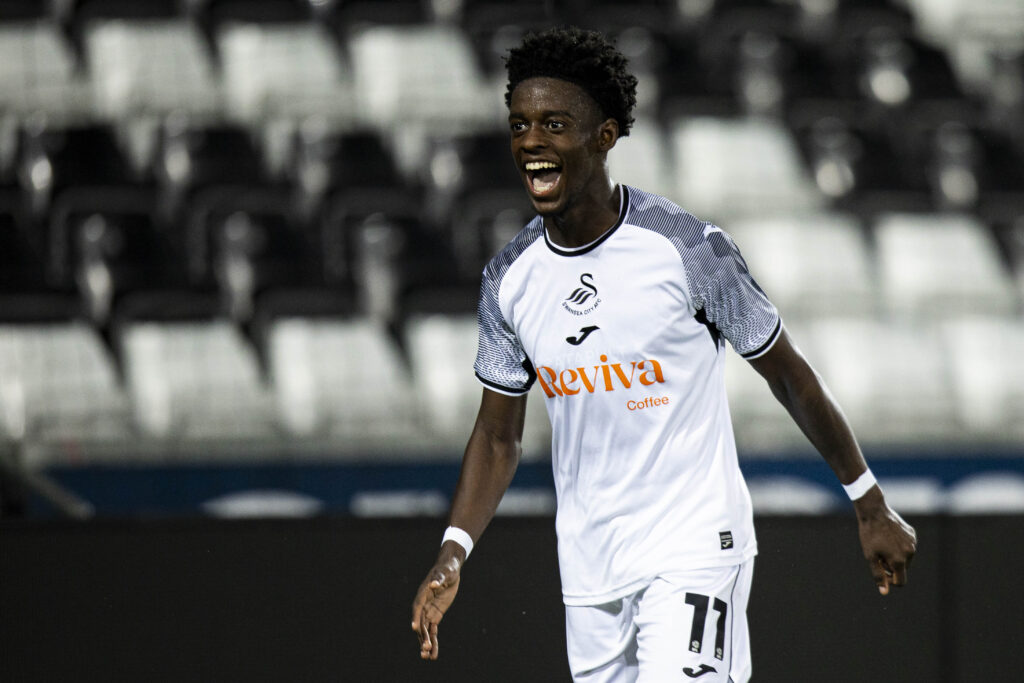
x: 606, y: 376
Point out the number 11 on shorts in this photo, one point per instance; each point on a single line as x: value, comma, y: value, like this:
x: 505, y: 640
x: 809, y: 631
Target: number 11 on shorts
x: 700, y: 614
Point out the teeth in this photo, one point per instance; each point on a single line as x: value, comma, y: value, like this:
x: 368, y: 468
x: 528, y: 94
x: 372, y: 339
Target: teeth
x: 538, y: 165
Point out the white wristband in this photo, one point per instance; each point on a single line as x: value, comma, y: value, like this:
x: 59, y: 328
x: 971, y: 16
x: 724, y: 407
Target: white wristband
x: 861, y: 486
x: 454, y: 533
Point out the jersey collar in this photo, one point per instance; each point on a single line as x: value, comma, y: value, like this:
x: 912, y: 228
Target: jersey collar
x: 579, y: 251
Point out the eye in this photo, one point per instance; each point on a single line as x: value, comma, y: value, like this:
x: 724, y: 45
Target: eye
x: 517, y: 126
x: 555, y: 124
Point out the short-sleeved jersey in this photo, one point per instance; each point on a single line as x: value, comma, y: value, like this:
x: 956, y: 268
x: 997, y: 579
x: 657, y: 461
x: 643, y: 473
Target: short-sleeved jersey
x: 625, y: 336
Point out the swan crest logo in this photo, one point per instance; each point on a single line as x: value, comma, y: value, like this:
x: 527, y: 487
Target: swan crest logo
x: 583, y: 299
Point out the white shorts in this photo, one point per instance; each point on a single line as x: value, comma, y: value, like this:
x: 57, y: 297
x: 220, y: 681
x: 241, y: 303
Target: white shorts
x: 683, y: 626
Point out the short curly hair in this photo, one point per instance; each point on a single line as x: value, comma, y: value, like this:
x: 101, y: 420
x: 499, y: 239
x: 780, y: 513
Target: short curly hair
x: 585, y: 58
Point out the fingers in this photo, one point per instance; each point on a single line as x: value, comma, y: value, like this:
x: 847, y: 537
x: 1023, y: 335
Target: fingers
x: 899, y: 573
x: 881, y: 574
x: 428, y: 638
x: 888, y: 574
x: 425, y: 614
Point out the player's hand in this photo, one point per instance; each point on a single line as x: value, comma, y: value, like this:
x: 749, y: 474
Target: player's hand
x: 888, y: 542
x: 433, y: 599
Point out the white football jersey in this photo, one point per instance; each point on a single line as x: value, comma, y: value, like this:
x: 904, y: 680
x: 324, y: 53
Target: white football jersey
x: 625, y: 336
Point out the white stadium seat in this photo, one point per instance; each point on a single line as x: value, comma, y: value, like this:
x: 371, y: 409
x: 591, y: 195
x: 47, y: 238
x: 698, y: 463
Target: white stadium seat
x: 195, y: 381
x: 891, y: 380
x: 643, y: 158
x: 940, y: 265
x: 58, y: 383
x: 986, y: 360
x: 732, y: 168
x: 419, y: 81
x: 150, y: 67
x: 342, y: 379
x: 442, y: 350
x: 37, y: 72
x: 284, y: 71
x: 810, y: 265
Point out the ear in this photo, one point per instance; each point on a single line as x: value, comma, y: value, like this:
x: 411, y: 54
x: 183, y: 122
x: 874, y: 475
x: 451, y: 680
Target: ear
x: 607, y: 134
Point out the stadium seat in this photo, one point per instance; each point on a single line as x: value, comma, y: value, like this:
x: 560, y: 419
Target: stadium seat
x: 194, y: 381
x: 854, y: 161
x: 27, y: 294
x: 482, y: 224
x: 284, y: 70
x: 150, y: 68
x: 994, y: 22
x: 458, y: 166
x: 193, y: 158
x: 891, y: 380
x: 81, y: 157
x: 422, y: 78
x: 962, y: 158
x: 342, y: 380
x: 685, y: 88
x: 442, y: 349
x: 495, y: 26
x: 471, y: 182
x: 986, y: 364
x: 642, y: 159
x: 325, y: 162
x: 248, y: 243
x: 58, y: 385
x: 810, y: 265
x: 940, y: 265
x: 887, y: 68
x: 109, y: 245
x: 38, y: 73
x: 727, y: 169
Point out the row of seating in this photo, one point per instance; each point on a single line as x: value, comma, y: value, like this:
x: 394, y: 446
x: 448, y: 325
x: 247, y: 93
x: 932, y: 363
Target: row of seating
x: 240, y: 253
x: 431, y: 74
x: 720, y: 169
x: 344, y: 386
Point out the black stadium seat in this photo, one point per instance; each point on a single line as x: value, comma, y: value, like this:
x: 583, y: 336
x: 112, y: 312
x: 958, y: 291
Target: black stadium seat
x: 192, y: 158
x: 112, y: 248
x: 54, y: 160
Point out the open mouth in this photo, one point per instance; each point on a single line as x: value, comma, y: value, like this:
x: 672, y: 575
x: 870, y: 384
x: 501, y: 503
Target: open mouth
x: 542, y: 176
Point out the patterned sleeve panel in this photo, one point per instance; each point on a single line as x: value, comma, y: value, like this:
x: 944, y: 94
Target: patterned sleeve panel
x: 721, y: 284
x: 717, y: 277
x: 501, y: 364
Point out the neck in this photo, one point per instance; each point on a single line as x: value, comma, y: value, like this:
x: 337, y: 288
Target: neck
x: 585, y: 220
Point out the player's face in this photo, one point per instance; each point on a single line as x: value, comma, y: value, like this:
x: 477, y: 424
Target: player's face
x: 559, y: 141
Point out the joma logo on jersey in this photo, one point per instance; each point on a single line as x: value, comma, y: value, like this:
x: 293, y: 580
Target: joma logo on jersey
x: 604, y: 377
x: 583, y: 299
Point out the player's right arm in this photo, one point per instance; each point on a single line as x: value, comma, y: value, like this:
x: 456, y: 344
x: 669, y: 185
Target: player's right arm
x: 488, y: 464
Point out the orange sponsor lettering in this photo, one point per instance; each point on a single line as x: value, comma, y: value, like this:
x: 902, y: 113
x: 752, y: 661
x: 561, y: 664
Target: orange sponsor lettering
x: 649, y: 402
x: 572, y: 381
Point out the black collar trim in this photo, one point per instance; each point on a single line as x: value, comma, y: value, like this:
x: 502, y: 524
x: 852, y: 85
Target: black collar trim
x: 623, y: 210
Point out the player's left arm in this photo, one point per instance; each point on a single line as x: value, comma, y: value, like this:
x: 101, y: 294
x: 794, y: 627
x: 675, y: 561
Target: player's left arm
x: 889, y: 543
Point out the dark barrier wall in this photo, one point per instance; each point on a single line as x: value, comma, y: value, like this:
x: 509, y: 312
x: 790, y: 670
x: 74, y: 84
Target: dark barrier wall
x: 328, y: 600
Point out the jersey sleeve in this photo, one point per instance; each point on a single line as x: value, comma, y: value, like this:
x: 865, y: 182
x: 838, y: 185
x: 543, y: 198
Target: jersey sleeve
x: 721, y: 285
x: 501, y: 364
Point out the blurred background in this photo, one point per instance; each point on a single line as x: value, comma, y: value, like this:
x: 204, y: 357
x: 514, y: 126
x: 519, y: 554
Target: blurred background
x: 240, y: 247
x: 240, y: 240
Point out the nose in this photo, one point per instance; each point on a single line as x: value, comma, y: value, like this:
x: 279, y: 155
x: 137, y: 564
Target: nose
x: 533, y: 138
